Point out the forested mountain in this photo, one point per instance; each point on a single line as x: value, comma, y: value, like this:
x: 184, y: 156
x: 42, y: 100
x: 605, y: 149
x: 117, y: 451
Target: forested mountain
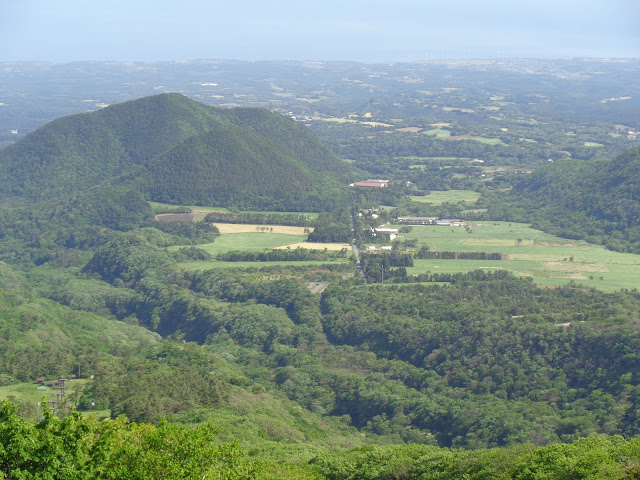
x: 177, y: 150
x: 597, y: 200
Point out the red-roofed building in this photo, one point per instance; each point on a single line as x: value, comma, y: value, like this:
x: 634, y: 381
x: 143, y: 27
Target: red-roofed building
x: 371, y: 184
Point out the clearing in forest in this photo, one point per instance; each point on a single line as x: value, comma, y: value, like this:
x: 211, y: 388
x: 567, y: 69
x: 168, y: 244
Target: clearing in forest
x: 438, y: 197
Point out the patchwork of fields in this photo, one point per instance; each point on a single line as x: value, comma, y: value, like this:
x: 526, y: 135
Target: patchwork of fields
x: 550, y: 260
x: 245, y: 238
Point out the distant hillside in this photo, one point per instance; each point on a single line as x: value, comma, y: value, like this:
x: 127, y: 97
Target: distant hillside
x: 175, y: 149
x: 597, y: 200
x: 42, y: 337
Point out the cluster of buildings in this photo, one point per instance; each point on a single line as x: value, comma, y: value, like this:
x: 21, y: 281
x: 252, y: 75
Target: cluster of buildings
x: 445, y: 222
x: 394, y: 232
x: 59, y: 383
x: 631, y: 132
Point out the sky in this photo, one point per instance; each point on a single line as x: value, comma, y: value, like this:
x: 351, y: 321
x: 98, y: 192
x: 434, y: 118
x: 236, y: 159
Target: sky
x: 359, y: 30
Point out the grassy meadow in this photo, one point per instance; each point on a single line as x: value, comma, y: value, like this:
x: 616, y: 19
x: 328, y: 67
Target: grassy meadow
x: 550, y: 260
x: 26, y: 393
x: 249, y: 241
x: 437, y: 197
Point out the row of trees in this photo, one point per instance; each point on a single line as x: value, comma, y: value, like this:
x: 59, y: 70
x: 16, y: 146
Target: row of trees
x: 296, y: 255
x: 425, y: 253
x: 296, y: 220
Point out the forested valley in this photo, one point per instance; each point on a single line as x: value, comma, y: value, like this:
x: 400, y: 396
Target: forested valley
x: 198, y: 286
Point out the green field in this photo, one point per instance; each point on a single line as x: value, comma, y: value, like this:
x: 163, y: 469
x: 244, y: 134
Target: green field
x: 548, y: 259
x: 437, y: 197
x: 438, y: 133
x: 27, y: 393
x: 248, y: 242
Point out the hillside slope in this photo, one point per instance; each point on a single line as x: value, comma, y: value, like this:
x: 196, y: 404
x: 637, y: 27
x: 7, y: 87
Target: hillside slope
x: 597, y: 200
x: 175, y: 149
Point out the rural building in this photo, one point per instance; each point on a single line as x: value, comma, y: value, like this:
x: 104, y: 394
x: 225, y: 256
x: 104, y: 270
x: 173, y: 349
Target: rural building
x: 416, y: 220
x: 371, y: 183
x: 450, y: 222
x: 392, y: 232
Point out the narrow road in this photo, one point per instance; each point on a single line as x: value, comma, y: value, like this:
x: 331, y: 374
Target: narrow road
x: 318, y: 287
x: 356, y: 252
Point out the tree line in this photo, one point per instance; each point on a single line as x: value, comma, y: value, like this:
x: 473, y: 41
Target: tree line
x: 289, y: 219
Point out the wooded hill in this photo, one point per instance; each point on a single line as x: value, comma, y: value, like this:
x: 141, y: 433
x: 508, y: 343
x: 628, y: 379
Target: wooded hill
x: 596, y: 200
x: 174, y: 149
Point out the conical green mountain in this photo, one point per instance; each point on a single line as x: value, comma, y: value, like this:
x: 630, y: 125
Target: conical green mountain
x: 177, y: 150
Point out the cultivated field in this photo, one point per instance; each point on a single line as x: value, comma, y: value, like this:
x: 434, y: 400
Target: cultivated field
x: 451, y: 196
x: 247, y: 238
x: 548, y: 259
x: 249, y: 242
x: 231, y: 228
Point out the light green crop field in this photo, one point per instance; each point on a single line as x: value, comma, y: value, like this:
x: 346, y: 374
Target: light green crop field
x: 437, y: 197
x: 550, y: 260
x: 438, y: 132
x: 248, y: 242
x: 251, y: 242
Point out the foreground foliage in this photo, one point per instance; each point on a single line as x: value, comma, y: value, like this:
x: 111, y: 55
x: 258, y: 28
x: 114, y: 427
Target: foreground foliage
x: 77, y: 448
x: 82, y: 448
x: 589, y: 458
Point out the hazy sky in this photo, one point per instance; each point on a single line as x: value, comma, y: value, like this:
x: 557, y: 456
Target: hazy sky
x: 373, y: 30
